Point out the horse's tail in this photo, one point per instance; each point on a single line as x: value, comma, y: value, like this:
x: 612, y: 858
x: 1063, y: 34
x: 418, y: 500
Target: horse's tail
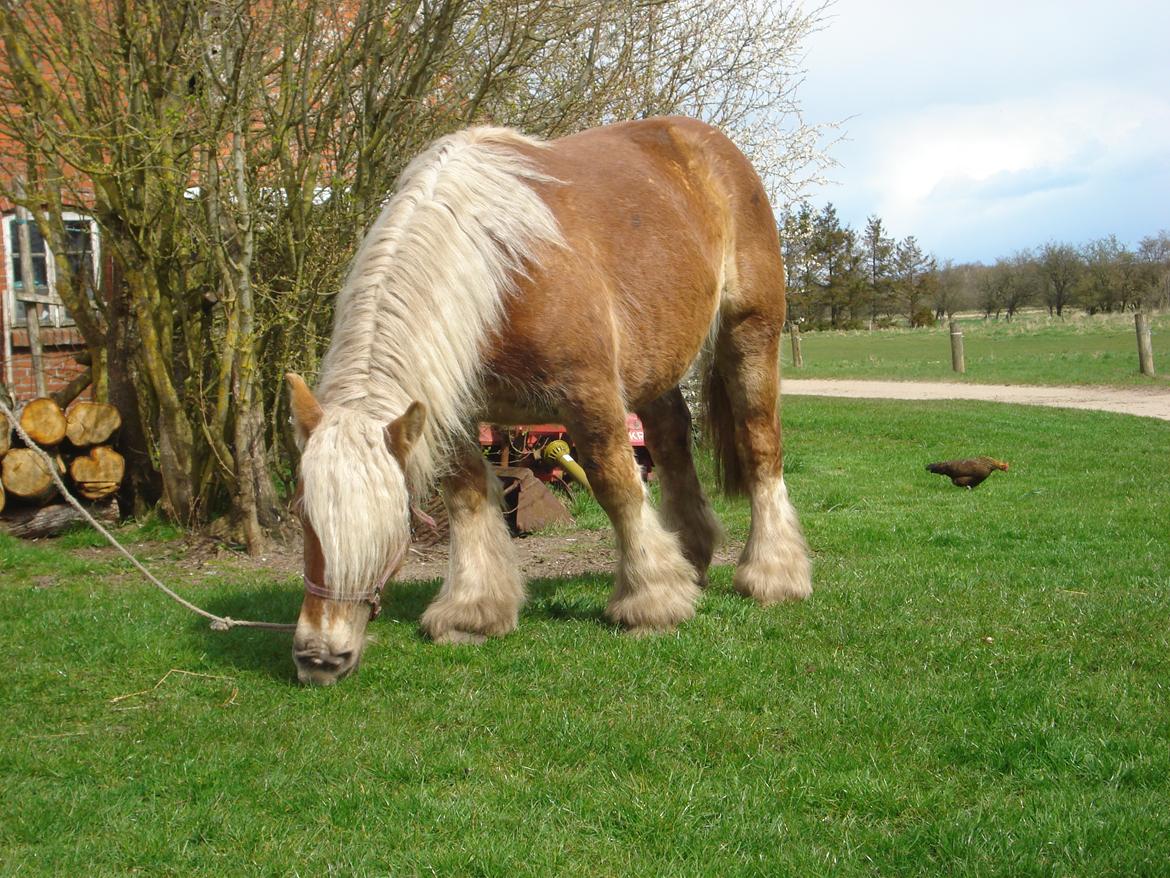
x: 719, y: 425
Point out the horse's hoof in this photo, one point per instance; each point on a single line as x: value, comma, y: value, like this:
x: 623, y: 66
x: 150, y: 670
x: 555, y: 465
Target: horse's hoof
x: 460, y: 637
x: 640, y: 631
x: 769, y: 584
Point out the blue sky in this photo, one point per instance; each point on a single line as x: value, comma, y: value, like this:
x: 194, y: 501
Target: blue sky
x: 985, y: 128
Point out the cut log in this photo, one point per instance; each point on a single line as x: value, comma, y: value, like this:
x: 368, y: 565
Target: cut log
x: 44, y: 421
x: 5, y: 435
x: 48, y: 521
x: 1, y: 496
x: 99, y: 490
x: 99, y: 473
x: 25, y: 475
x: 91, y: 423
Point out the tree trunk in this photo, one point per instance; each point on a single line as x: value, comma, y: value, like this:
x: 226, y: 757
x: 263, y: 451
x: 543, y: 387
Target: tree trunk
x: 73, y: 389
x: 254, y: 499
x: 141, y: 487
x: 175, y: 436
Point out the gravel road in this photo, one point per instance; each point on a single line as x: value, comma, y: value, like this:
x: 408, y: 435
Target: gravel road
x: 1144, y: 402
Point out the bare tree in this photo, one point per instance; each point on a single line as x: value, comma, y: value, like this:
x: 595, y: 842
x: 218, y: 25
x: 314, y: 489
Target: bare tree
x: 95, y: 103
x: 1022, y: 283
x: 232, y: 154
x: 954, y: 290
x: 1154, y: 259
x: 1060, y: 267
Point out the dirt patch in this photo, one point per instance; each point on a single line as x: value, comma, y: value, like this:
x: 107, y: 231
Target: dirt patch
x: 197, y: 559
x: 546, y: 556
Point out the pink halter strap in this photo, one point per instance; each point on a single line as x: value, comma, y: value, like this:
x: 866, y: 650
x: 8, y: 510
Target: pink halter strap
x: 373, y: 597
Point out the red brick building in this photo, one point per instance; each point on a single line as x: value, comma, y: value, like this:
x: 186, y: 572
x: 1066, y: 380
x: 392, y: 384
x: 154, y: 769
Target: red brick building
x: 59, y: 339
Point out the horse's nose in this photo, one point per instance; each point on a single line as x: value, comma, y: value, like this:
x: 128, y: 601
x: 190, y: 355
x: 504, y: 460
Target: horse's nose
x: 320, y: 666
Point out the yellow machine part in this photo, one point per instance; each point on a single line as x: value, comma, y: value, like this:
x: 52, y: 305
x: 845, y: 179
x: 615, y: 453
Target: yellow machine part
x: 557, y: 452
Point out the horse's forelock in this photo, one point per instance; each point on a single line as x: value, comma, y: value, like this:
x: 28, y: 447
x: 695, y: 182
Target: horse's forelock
x: 354, y: 496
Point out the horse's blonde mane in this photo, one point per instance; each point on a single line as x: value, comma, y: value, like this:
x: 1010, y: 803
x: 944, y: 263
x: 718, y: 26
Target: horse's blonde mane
x: 426, y: 286
x: 424, y: 293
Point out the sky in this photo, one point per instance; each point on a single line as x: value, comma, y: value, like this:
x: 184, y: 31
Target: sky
x: 987, y: 128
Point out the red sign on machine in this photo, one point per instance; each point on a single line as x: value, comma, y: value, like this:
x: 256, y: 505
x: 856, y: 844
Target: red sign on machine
x: 530, y: 435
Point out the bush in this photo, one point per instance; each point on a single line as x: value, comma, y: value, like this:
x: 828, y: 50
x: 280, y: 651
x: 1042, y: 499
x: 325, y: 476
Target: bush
x: 923, y: 317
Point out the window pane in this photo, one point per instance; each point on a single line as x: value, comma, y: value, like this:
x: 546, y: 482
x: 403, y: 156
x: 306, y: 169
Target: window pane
x: 80, y: 252
x: 40, y: 270
x: 36, y: 246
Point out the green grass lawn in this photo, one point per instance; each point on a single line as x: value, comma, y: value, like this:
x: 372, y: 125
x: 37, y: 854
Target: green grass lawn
x: 978, y: 686
x: 1032, y: 349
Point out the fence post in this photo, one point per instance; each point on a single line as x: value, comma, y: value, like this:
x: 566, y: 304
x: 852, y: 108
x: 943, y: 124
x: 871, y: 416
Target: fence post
x: 797, y: 356
x: 1145, y: 346
x: 958, y: 362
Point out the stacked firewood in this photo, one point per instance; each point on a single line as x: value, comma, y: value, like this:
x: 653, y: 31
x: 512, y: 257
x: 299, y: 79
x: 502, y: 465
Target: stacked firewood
x: 77, y: 441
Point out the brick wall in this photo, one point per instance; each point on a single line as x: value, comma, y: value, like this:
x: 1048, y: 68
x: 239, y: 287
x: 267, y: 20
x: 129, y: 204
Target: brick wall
x: 59, y: 367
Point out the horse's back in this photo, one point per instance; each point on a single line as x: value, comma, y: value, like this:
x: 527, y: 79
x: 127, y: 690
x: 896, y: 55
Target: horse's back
x: 660, y: 219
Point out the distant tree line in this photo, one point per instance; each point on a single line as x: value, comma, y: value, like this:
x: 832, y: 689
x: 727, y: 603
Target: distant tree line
x: 843, y: 279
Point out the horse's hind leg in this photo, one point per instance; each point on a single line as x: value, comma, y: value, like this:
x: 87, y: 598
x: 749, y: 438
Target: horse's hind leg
x: 774, y: 565
x: 484, y: 590
x: 685, y: 509
x: 655, y: 587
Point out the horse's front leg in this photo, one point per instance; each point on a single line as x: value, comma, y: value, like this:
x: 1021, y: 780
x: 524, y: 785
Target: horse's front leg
x: 655, y: 587
x: 483, y: 591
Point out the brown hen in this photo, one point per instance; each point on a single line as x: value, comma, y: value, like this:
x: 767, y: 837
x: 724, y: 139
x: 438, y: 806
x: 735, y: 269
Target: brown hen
x: 967, y: 473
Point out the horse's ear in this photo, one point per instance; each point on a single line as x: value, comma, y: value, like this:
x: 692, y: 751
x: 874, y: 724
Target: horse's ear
x: 403, y: 432
x: 306, y: 411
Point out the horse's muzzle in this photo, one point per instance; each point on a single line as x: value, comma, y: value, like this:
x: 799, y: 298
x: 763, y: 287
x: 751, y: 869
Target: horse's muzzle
x: 318, y: 666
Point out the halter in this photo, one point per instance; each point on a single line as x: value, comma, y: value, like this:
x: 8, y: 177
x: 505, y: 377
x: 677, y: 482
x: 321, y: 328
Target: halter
x: 374, y: 596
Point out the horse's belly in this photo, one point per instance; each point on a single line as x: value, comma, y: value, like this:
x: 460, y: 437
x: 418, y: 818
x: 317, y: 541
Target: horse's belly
x: 504, y: 405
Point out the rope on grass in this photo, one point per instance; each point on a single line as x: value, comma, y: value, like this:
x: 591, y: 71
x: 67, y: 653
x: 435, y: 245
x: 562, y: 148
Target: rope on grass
x: 218, y: 623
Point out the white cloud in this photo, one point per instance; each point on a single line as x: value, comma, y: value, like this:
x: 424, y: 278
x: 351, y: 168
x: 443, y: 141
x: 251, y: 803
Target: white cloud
x: 946, y: 156
x: 985, y: 129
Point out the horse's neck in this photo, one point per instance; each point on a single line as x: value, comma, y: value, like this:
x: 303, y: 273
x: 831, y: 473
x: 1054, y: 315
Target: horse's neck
x: 427, y: 285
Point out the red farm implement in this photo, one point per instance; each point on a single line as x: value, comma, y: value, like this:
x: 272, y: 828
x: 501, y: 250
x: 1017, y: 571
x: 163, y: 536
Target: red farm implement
x: 530, y: 457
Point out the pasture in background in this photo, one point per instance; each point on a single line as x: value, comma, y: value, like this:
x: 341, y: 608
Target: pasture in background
x: 977, y: 686
x: 1032, y: 349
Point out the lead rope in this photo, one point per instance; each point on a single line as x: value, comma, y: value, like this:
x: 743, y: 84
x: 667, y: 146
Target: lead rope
x: 218, y: 623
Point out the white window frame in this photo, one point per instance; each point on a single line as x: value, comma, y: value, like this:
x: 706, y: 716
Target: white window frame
x: 51, y: 315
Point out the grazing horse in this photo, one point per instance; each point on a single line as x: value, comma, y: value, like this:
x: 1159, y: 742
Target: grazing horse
x: 515, y: 281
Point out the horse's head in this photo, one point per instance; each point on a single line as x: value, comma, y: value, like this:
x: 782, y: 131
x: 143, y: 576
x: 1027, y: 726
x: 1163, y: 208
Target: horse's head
x: 353, y: 503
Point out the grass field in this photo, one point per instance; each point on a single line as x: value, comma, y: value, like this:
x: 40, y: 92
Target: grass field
x: 1032, y: 349
x: 978, y: 686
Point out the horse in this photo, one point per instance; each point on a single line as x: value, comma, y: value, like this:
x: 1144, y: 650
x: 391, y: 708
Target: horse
x: 513, y: 280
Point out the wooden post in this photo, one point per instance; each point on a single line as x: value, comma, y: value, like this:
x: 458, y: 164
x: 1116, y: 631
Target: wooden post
x: 958, y: 362
x: 797, y: 356
x: 28, y: 283
x: 1145, y: 346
